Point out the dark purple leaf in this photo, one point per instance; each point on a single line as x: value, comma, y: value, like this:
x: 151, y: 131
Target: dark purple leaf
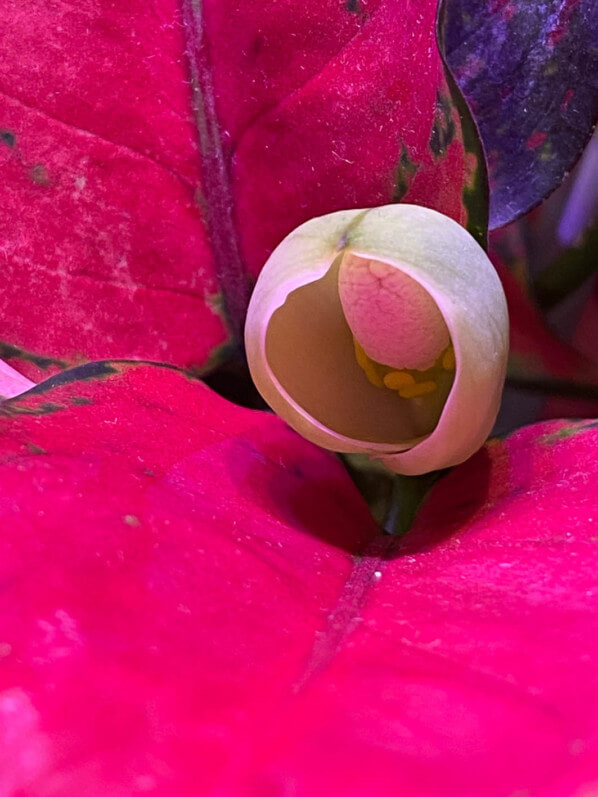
x: 529, y: 71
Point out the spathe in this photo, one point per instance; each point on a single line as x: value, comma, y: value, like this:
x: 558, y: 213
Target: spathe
x: 300, y: 351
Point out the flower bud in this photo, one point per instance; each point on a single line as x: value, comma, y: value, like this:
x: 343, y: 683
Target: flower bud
x: 383, y: 332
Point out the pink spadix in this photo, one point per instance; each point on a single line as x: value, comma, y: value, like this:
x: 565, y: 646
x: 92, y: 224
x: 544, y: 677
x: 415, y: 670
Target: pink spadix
x: 393, y: 318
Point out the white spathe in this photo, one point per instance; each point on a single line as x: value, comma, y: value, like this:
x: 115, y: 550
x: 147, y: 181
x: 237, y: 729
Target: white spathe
x: 300, y: 347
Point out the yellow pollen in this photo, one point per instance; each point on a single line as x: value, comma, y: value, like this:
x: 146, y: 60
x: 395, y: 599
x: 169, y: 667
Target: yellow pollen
x: 448, y: 359
x: 404, y: 382
x: 367, y: 366
x: 418, y: 389
x: 396, y: 380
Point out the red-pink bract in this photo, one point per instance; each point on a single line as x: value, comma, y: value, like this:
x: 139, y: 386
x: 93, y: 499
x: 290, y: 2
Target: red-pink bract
x: 195, y: 601
x: 154, y: 155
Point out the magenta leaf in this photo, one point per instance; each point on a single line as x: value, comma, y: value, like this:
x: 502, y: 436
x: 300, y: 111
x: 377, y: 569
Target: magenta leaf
x: 195, y: 601
x: 528, y: 71
x: 154, y: 156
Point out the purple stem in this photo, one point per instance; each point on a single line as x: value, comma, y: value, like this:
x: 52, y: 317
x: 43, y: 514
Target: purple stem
x: 218, y: 205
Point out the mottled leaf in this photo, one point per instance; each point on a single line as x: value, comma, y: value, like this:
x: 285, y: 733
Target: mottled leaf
x: 195, y: 601
x: 153, y: 155
x: 529, y: 71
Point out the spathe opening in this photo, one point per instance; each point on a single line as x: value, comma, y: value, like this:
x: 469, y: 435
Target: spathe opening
x: 310, y: 351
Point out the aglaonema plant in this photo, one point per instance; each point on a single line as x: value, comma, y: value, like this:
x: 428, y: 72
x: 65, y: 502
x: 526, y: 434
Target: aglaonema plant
x: 196, y: 599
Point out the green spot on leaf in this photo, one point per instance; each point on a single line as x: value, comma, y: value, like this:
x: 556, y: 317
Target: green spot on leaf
x: 476, y: 194
x: 39, y: 174
x: 10, y: 352
x: 35, y: 449
x: 8, y: 138
x: 12, y: 407
x: 443, y: 128
x: 406, y: 171
x: 567, y: 431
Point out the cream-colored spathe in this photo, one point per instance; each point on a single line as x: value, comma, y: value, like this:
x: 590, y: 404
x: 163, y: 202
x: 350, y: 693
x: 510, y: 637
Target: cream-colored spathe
x: 308, y: 374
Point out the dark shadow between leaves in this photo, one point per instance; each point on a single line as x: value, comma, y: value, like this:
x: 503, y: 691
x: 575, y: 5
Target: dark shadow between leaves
x: 303, y: 488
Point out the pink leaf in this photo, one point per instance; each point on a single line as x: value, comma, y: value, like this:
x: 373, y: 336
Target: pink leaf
x: 195, y: 601
x: 12, y: 383
x: 153, y: 155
